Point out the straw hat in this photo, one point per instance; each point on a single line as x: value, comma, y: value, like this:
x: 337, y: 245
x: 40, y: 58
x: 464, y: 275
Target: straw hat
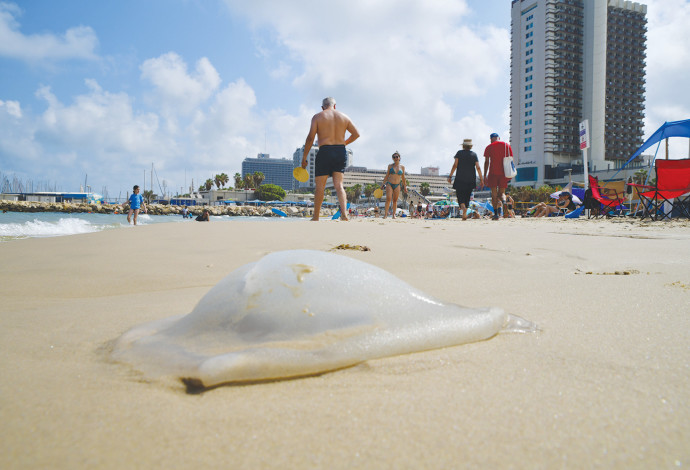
x: 467, y: 143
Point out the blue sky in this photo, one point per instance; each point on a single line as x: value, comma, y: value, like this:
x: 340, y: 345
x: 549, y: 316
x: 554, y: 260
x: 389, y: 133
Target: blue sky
x: 107, y: 88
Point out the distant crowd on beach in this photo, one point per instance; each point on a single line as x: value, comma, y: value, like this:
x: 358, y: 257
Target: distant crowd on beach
x: 330, y: 128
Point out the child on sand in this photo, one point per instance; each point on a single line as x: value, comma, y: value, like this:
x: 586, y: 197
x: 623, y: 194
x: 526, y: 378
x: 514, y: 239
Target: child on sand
x: 136, y: 202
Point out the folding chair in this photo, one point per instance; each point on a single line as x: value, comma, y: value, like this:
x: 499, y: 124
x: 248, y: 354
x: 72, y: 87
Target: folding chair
x: 606, y: 205
x: 672, y: 182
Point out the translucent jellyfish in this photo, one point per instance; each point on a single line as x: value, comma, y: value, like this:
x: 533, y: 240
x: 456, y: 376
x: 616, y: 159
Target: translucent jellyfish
x: 298, y: 313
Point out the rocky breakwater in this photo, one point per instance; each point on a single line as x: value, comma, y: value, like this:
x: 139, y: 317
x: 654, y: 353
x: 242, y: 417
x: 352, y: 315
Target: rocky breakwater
x: 153, y: 209
x: 29, y: 206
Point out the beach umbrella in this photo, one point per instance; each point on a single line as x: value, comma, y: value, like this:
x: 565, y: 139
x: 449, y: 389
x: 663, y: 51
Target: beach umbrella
x: 568, y: 189
x: 484, y: 205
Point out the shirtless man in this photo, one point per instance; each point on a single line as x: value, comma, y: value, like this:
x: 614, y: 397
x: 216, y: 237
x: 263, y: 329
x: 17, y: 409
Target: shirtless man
x: 329, y: 127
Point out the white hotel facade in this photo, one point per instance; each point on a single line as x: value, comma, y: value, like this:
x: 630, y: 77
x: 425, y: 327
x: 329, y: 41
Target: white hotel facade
x: 573, y: 60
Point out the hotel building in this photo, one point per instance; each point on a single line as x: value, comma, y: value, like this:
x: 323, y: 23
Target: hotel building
x: 276, y: 171
x: 573, y: 60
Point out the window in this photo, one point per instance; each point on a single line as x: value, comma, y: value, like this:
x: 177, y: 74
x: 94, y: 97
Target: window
x: 528, y: 104
x: 528, y: 87
x: 529, y: 69
x: 529, y: 26
x: 528, y: 140
x: 528, y: 122
x: 529, y: 18
x: 529, y: 61
x: 527, y: 173
x: 528, y: 131
x: 528, y: 113
x: 528, y: 148
x: 528, y: 78
x: 528, y: 96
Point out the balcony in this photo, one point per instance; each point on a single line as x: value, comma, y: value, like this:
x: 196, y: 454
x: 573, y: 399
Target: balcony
x: 561, y: 171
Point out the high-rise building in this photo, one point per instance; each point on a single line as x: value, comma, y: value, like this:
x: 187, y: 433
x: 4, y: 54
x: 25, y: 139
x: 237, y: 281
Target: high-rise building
x: 276, y: 171
x: 297, y: 161
x: 429, y: 171
x: 573, y: 60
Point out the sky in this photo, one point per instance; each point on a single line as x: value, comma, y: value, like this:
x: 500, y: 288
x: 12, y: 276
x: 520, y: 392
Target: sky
x: 99, y: 92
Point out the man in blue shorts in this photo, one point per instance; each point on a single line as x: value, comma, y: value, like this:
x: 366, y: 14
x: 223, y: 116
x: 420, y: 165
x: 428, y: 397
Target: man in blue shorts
x: 329, y: 126
x: 136, y: 201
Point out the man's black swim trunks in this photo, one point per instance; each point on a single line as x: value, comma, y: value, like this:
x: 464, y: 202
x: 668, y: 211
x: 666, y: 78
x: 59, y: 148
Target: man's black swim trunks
x: 330, y: 159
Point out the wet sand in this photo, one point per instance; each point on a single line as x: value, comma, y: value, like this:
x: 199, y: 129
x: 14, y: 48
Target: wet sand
x: 604, y: 384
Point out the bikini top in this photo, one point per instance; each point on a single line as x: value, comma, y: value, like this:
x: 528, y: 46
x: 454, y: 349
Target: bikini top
x: 392, y: 171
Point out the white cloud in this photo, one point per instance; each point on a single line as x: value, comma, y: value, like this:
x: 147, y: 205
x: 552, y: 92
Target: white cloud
x: 98, y: 121
x: 226, y: 130
x: 13, y: 108
x: 176, y: 90
x: 668, y: 63
x: 668, y: 36
x: 79, y: 42
x: 402, y: 70
x: 17, y: 142
x: 100, y: 134
x: 281, y: 71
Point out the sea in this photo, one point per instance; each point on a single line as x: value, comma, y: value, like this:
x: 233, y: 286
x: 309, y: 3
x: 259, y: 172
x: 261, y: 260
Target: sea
x: 19, y: 225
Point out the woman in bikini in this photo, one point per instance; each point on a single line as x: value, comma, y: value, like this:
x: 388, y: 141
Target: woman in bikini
x: 395, y: 177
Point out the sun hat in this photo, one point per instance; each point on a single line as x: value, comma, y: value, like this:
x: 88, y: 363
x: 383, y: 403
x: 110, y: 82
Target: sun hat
x: 467, y: 142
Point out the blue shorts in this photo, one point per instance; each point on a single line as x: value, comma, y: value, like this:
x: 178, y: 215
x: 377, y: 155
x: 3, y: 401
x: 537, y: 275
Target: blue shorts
x: 330, y: 159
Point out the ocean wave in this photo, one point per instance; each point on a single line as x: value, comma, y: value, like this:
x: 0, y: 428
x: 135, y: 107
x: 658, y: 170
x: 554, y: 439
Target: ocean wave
x: 57, y: 228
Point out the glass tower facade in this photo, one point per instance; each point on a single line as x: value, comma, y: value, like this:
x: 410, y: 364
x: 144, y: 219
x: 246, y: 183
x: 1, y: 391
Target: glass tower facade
x: 276, y: 171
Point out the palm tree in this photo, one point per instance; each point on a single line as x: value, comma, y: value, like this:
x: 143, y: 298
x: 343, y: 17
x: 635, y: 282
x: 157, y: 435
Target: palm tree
x: 248, y: 181
x: 258, y: 178
x: 640, y: 176
x: 350, y: 194
x: 208, y: 184
x: 425, y: 189
x: 369, y: 189
x: 238, y: 181
x: 220, y: 180
x: 358, y: 191
x: 148, y: 196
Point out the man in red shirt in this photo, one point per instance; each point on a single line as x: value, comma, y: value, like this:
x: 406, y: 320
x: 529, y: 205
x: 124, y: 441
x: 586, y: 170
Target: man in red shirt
x: 494, y: 177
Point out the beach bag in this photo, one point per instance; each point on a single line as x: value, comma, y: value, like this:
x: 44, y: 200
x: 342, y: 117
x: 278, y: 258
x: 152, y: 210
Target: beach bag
x: 508, y: 165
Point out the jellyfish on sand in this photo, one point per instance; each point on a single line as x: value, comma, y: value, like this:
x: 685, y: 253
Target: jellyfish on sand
x: 298, y: 313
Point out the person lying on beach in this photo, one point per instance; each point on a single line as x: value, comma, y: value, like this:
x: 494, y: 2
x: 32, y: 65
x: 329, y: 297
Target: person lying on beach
x: 565, y: 202
x: 204, y: 217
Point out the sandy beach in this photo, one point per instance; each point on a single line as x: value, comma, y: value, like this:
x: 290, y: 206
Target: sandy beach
x: 605, y: 384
